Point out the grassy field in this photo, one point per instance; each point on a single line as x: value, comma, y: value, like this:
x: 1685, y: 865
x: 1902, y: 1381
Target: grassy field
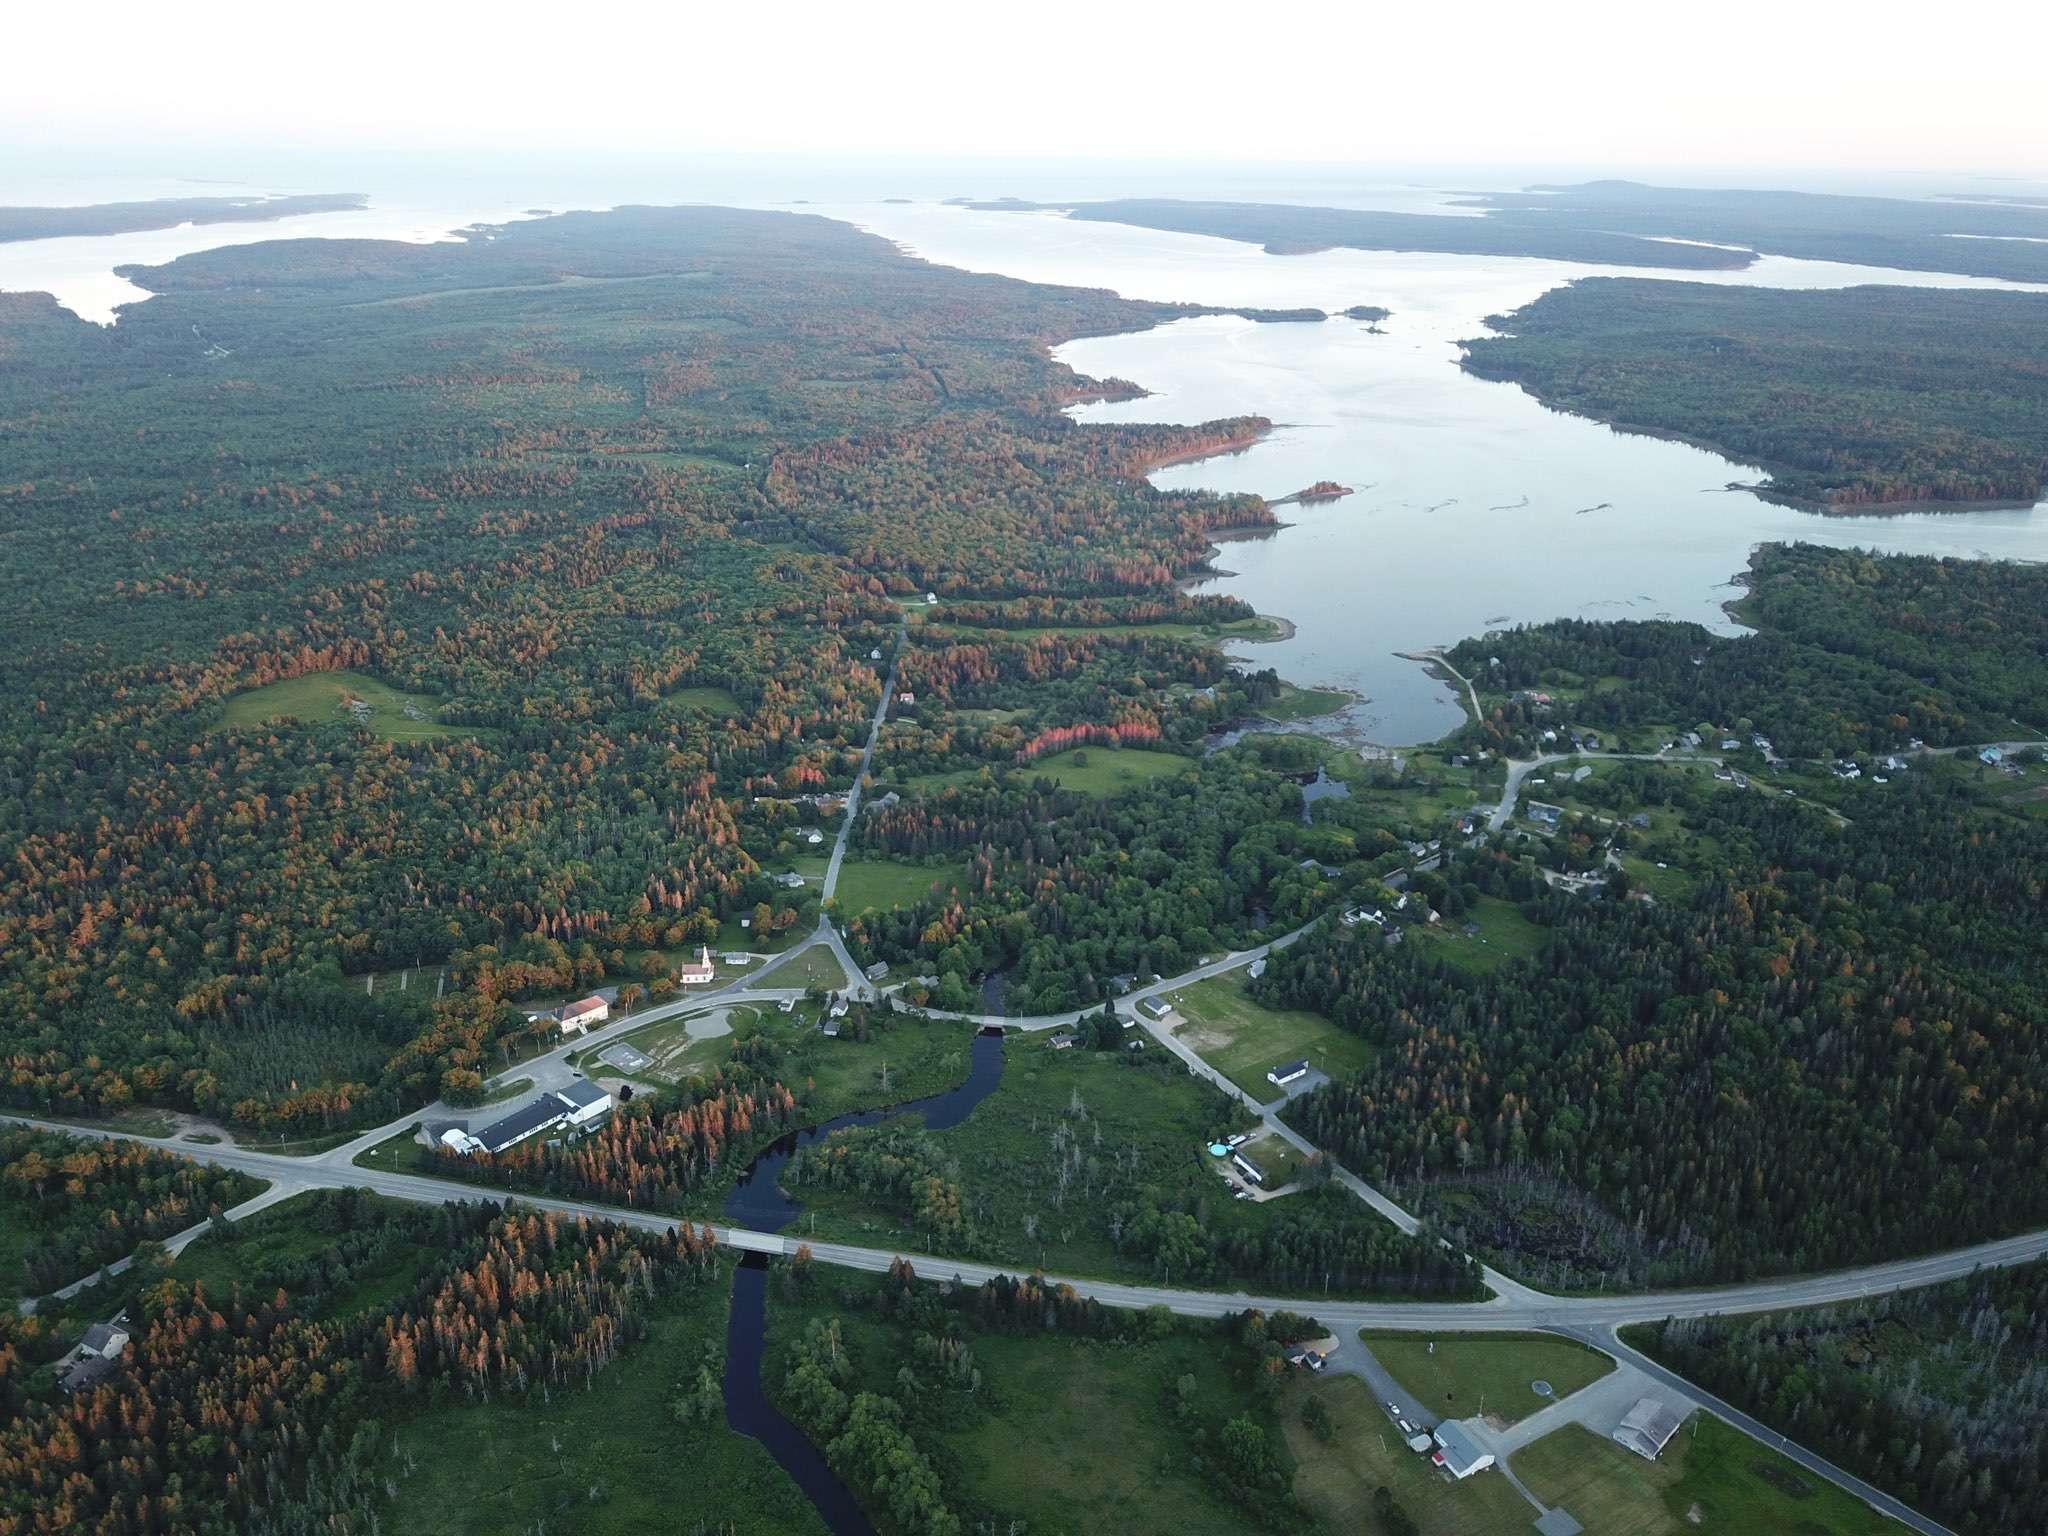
x: 1712, y: 1478
x: 1470, y: 1373
x: 1066, y: 1436
x: 604, y: 1460
x: 717, y: 703
x: 867, y: 883
x: 1245, y: 1040
x: 509, y: 1090
x: 1335, y: 1478
x: 316, y: 698
x: 1504, y: 935
x: 816, y: 965
x: 1275, y: 1158
x: 1107, y: 770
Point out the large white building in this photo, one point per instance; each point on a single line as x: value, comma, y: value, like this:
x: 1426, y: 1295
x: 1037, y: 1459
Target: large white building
x: 570, y: 1108
x: 578, y: 1016
x: 1647, y: 1428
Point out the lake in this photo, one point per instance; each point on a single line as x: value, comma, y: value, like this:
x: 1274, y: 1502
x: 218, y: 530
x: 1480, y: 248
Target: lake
x: 1475, y: 506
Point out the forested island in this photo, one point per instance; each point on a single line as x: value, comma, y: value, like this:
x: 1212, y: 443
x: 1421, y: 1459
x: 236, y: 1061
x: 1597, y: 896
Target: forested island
x: 1848, y: 396
x: 1628, y: 224
x: 1288, y: 230
x: 27, y: 223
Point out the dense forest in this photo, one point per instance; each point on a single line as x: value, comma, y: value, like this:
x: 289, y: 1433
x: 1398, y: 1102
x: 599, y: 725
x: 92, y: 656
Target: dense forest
x: 261, y: 1412
x: 1828, y: 1050
x: 1627, y: 224
x: 1936, y: 1396
x: 1853, y: 653
x: 23, y: 223
x: 623, y: 506
x: 1286, y: 230
x: 1983, y: 236
x: 73, y: 1205
x: 1847, y: 396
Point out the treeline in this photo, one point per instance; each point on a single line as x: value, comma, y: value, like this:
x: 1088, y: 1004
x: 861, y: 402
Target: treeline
x: 1848, y: 396
x: 83, y: 1204
x: 1937, y: 1396
x: 234, y: 1413
x: 1064, y: 892
x: 1827, y: 1054
x: 1853, y: 653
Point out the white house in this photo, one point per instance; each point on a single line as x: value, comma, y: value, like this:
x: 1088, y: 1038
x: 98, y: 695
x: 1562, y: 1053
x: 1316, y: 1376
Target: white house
x: 700, y: 972
x: 1992, y: 755
x: 1293, y: 1071
x: 790, y: 880
x: 578, y: 1016
x: 816, y: 837
x: 105, y: 1340
x: 1457, y: 1452
x: 586, y: 1101
x: 931, y: 598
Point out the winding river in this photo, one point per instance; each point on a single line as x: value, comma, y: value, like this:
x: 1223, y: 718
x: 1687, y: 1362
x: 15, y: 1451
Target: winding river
x: 758, y: 1202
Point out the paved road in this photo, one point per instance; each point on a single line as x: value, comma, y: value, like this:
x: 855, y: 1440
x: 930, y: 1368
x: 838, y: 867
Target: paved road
x: 867, y: 758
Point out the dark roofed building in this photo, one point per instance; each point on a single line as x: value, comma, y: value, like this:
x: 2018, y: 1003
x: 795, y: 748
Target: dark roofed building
x: 1648, y: 1427
x: 527, y: 1120
x: 88, y: 1372
x: 1288, y: 1073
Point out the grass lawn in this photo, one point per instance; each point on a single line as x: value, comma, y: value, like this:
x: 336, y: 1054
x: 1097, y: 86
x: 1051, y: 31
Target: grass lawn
x: 869, y: 883
x: 493, y: 1469
x: 815, y: 965
x: 1335, y: 1478
x: 316, y: 699
x: 1504, y: 935
x: 1711, y: 1478
x: 1244, y: 1040
x: 1275, y: 1158
x: 1667, y: 885
x: 398, y: 1150
x: 830, y: 1077
x: 1471, y: 1372
x: 153, y: 1123
x: 510, y: 1090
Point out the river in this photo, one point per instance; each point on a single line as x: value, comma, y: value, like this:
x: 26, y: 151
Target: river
x: 757, y: 1202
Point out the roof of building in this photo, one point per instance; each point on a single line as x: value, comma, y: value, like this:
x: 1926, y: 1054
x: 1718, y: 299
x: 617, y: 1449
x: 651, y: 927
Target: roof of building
x: 1064, y: 1037
x: 1648, y: 1427
x: 583, y: 1093
x: 1458, y: 1449
x: 1292, y: 1069
x: 87, y: 1373
x: 101, y: 1337
x: 591, y: 1004
x: 522, y: 1122
x: 1157, y: 1007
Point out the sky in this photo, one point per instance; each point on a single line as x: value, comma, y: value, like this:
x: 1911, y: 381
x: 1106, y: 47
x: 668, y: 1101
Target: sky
x: 1764, y: 85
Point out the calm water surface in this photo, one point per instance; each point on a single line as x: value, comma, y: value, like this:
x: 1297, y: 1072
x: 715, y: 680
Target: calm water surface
x: 1476, y: 506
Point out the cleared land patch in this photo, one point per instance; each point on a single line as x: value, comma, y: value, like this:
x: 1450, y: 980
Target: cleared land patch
x: 321, y: 698
x: 879, y: 883
x: 1244, y: 1040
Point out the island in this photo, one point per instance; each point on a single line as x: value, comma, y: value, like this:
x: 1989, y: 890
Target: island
x: 1313, y: 495
x: 31, y: 223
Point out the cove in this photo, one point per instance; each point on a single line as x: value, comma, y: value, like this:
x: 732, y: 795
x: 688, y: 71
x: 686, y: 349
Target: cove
x: 1475, y: 506
x: 757, y: 1202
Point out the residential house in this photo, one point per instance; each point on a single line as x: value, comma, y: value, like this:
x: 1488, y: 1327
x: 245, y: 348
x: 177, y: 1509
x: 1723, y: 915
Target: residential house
x: 1250, y: 1173
x: 790, y: 880
x: 576, y: 1017
x: 1647, y: 1428
x: 1290, y: 1072
x: 1155, y: 1008
x: 1063, y: 1039
x: 1992, y: 756
x: 1457, y: 1452
x: 106, y: 1340
x: 1257, y: 968
x: 876, y: 971
x: 814, y: 837
x: 87, y: 1372
x: 1545, y: 815
x: 931, y: 598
